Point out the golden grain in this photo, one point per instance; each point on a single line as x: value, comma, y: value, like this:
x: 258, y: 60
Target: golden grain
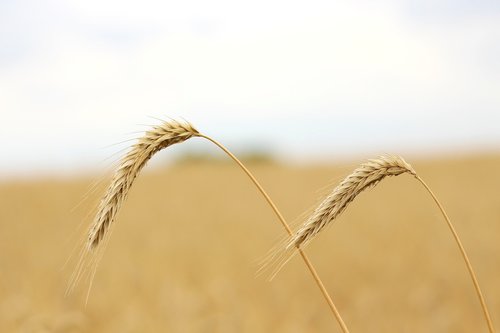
x: 365, y: 176
x: 154, y: 140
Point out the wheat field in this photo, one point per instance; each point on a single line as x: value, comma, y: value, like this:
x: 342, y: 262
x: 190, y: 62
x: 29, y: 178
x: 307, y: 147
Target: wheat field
x: 184, y: 255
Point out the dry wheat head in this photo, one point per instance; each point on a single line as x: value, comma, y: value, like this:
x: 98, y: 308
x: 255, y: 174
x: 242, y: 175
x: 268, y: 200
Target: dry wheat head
x: 365, y: 176
x: 159, y: 137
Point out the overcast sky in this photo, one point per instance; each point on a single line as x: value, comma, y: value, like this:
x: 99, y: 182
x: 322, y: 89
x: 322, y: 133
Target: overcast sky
x: 303, y: 79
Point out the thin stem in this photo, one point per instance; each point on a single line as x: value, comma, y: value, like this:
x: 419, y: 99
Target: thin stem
x: 464, y: 256
x: 285, y: 225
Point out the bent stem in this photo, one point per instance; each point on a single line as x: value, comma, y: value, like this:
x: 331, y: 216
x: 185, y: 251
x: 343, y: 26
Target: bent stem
x: 464, y: 256
x: 287, y: 228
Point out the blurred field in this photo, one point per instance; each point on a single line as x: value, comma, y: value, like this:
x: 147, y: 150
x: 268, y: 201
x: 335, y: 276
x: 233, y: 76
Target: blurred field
x: 185, y: 249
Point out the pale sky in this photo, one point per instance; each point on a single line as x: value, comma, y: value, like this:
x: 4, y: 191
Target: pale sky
x: 304, y: 79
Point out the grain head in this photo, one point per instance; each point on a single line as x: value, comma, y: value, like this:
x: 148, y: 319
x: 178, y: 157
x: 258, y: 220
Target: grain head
x: 365, y: 176
x: 154, y: 140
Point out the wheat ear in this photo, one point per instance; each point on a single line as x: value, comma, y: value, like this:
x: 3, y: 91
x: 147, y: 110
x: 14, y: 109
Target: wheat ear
x: 154, y: 140
x: 159, y: 137
x: 364, y: 177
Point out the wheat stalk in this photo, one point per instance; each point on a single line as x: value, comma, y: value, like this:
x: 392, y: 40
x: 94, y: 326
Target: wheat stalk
x: 480, y: 296
x: 285, y: 225
x: 365, y: 176
x: 160, y: 137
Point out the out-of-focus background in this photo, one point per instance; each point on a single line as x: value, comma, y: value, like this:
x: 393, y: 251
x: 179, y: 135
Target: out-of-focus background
x: 303, y: 92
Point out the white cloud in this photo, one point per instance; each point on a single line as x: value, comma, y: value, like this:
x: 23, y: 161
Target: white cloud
x: 91, y: 70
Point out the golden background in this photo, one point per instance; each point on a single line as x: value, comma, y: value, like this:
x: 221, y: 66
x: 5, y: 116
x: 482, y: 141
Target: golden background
x: 187, y: 244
